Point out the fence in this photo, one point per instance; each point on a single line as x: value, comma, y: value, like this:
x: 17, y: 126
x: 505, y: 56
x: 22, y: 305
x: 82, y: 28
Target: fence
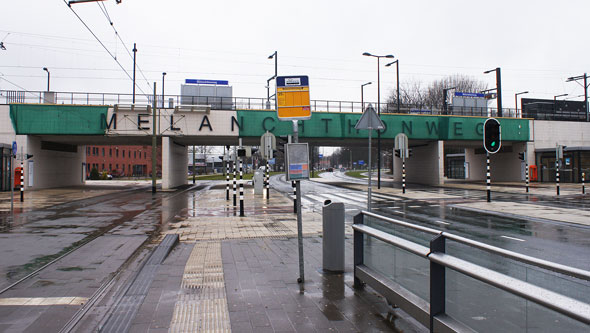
x: 462, y: 285
x: 234, y: 103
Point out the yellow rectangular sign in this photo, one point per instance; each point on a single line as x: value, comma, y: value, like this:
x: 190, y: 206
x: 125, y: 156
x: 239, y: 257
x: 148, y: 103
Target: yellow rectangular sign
x: 293, y: 98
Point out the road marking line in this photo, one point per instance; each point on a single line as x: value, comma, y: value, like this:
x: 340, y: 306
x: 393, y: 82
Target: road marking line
x: 442, y: 222
x: 42, y: 301
x: 513, y: 238
x: 414, y: 206
x: 434, y: 205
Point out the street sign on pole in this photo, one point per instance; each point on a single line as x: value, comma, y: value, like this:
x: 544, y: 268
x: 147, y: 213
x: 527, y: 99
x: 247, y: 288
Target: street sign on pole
x: 297, y: 160
x: 293, y: 98
x: 369, y: 120
x: 268, y: 143
x: 401, y: 143
x: 14, y: 148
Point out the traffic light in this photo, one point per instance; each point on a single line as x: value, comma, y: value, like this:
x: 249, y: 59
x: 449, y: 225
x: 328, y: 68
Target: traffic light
x: 410, y: 152
x: 398, y: 153
x: 492, y: 135
x: 281, y: 142
x: 521, y: 156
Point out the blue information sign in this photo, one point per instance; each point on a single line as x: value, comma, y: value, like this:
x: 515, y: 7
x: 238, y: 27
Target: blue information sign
x: 321, y: 155
x: 213, y: 82
x: 13, y: 147
x: 271, y: 161
x: 466, y: 94
x: 361, y: 162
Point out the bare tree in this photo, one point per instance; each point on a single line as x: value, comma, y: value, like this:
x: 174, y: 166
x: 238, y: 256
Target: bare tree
x: 413, y: 95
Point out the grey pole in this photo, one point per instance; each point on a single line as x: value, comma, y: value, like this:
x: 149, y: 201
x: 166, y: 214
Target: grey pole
x: 488, y: 178
x: 378, y: 131
x: 194, y: 173
x: 12, y: 158
x: 154, y: 141
x: 397, y: 77
x: 369, y: 187
x: 301, y: 278
x: 163, y: 98
x: 134, y: 57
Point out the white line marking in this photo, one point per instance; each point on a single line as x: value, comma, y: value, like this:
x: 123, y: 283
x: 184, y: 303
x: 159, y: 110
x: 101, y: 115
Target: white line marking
x: 435, y: 205
x: 513, y: 238
x: 442, y: 222
x: 414, y: 206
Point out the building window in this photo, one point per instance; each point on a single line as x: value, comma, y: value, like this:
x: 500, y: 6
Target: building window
x: 110, y: 167
x: 110, y: 152
x: 123, y: 155
x: 102, y: 169
x: 103, y: 152
x: 129, y: 154
x: 117, y: 153
x: 135, y: 154
x: 123, y: 167
x: 117, y: 166
x: 88, y: 151
x: 144, y: 154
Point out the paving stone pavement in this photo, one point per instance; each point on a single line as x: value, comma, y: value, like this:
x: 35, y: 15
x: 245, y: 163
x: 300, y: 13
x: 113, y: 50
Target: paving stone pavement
x: 242, y: 274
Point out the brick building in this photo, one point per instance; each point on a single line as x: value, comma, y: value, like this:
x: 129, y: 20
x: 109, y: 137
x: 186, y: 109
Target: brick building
x: 122, y: 161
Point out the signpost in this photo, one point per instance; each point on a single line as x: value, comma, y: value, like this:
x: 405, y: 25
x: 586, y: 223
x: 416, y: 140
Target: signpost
x: 369, y: 120
x: 268, y: 142
x: 401, y: 144
x: 293, y: 104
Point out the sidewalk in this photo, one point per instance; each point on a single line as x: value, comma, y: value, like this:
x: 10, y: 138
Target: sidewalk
x: 241, y: 275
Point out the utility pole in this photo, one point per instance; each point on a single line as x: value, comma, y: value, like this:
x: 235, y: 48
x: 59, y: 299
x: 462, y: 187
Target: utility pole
x: 134, y: 62
x: 154, y: 140
x: 585, y: 86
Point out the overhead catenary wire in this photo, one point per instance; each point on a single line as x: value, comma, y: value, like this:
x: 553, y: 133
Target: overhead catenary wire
x: 102, y: 44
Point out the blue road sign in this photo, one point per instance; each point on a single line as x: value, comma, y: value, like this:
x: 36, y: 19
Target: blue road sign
x: 361, y: 162
x: 271, y: 161
x: 214, y: 82
x: 467, y: 94
x: 13, y: 147
x: 321, y: 155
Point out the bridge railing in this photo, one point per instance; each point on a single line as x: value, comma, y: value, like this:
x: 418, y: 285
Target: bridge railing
x: 452, y: 283
x: 234, y: 103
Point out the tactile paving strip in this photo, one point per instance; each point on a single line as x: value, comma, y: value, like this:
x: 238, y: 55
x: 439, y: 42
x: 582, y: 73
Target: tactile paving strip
x: 202, y: 303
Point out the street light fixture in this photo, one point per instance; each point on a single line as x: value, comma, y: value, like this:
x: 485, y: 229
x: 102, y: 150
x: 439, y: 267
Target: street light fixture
x: 362, y: 99
x: 389, y: 56
x: 585, y: 86
x: 498, y: 88
x: 516, y: 101
x: 555, y: 101
x: 48, y: 76
x: 397, y: 80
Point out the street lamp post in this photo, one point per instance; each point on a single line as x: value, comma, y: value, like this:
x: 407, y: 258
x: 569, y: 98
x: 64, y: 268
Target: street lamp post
x: 163, y: 99
x: 498, y: 89
x: 397, y: 80
x: 378, y: 113
x: 516, y: 101
x: 275, y: 56
x: 362, y: 98
x: 48, y: 76
x: 555, y: 101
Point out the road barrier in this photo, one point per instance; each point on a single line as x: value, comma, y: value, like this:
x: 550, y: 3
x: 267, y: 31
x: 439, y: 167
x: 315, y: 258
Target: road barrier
x: 432, y: 283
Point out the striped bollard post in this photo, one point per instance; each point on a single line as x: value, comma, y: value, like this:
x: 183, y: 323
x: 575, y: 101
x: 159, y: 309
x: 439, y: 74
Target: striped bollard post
x: 583, y: 187
x: 488, y: 179
x: 22, y: 181
x: 267, y: 181
x: 557, y: 175
x: 526, y: 165
x: 403, y: 176
x: 294, y: 196
x: 241, y: 189
x: 234, y: 185
x: 226, y: 180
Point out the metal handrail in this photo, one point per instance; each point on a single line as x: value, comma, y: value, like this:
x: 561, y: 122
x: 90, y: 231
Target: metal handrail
x: 555, y: 267
x: 439, y: 260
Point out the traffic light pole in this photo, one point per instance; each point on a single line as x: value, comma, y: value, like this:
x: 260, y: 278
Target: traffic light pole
x: 488, y: 178
x: 404, y: 174
x: 557, y: 175
x: 301, y: 278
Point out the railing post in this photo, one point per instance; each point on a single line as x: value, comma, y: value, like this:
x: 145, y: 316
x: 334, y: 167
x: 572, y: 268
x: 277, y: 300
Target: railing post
x: 437, y: 281
x: 358, y: 248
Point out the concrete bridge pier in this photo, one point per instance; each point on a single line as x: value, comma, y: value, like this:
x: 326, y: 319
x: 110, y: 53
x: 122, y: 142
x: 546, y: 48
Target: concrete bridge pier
x: 426, y: 165
x: 174, y: 163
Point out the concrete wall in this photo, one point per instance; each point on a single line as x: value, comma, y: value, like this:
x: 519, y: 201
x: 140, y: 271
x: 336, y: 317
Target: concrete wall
x: 54, y: 168
x: 477, y: 164
x: 547, y: 134
x: 174, y: 164
x: 426, y: 165
x: 504, y: 167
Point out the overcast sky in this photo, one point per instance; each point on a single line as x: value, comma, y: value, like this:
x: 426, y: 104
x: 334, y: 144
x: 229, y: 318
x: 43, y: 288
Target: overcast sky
x: 538, y: 44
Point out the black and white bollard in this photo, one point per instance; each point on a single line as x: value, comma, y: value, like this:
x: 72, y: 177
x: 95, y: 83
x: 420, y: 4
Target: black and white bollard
x: 403, y: 176
x: 294, y: 196
x: 267, y: 181
x: 583, y: 186
x: 526, y: 165
x: 234, y: 186
x: 22, y: 181
x: 557, y: 175
x: 241, y: 189
x: 227, y: 180
x: 488, y: 178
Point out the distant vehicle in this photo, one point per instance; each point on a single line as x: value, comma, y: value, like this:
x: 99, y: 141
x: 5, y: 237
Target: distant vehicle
x: 109, y: 176
x: 342, y: 169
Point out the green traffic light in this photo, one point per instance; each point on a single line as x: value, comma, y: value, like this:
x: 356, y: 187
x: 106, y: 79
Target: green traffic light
x: 493, y: 143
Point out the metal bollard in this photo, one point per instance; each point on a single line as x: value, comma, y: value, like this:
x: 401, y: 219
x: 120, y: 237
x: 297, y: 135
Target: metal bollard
x: 333, y: 236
